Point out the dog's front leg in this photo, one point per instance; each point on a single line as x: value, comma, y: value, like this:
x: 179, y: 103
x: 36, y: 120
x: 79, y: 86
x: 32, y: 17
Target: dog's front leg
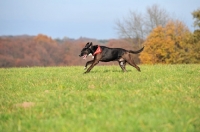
x: 87, y: 63
x: 93, y: 64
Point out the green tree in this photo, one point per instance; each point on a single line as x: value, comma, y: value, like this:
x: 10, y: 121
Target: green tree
x: 196, y: 36
x: 196, y: 16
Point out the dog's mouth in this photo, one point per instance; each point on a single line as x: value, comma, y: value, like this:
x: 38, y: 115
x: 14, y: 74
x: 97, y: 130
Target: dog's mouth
x: 84, y: 56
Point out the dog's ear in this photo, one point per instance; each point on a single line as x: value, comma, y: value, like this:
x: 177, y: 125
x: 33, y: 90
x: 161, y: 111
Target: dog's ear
x: 88, y: 44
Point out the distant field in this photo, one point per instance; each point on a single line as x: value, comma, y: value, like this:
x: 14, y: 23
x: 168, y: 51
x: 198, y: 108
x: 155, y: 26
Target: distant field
x: 63, y: 99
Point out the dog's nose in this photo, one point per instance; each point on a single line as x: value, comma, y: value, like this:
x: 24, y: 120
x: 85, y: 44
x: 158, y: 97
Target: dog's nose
x: 80, y: 55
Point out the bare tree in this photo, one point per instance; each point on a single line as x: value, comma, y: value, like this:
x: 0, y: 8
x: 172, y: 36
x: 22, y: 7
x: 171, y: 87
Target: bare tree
x: 155, y: 16
x: 137, y: 26
x: 131, y: 28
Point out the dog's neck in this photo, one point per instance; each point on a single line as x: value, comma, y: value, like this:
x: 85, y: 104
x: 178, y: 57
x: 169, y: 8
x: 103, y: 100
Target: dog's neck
x: 93, y: 49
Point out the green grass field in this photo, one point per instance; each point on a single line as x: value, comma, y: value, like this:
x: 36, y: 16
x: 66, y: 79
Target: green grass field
x: 161, y: 98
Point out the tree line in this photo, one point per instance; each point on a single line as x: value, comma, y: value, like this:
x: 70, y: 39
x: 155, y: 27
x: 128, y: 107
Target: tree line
x: 42, y: 50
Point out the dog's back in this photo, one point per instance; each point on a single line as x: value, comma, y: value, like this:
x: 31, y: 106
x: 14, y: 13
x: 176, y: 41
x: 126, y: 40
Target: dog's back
x: 111, y: 54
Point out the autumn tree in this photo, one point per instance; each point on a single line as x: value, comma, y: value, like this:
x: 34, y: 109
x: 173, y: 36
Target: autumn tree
x: 138, y: 25
x: 48, y: 49
x: 169, y: 45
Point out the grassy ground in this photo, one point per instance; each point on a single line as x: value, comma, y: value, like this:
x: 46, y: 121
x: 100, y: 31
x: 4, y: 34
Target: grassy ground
x: 160, y: 98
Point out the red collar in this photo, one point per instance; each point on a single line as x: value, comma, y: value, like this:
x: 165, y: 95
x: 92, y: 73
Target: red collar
x: 98, y: 50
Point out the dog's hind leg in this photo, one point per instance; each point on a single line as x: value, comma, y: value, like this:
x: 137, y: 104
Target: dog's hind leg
x: 134, y: 65
x: 127, y: 57
x: 122, y: 64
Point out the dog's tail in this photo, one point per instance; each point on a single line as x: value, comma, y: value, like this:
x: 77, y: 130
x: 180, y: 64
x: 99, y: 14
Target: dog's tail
x: 136, y: 52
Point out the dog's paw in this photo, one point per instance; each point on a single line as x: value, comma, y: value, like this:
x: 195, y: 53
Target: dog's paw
x: 85, y: 68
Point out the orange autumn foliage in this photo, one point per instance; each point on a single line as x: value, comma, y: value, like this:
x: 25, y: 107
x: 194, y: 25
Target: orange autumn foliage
x: 171, y: 44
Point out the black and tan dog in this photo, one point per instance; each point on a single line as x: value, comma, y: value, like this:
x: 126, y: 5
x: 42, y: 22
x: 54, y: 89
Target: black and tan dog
x: 106, y: 54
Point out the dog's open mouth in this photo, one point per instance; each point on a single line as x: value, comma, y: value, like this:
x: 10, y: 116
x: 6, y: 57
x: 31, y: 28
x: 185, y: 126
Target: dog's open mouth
x: 84, y: 56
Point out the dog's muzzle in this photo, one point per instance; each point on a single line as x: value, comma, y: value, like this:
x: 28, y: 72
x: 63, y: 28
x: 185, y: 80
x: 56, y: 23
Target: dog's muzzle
x: 83, y: 55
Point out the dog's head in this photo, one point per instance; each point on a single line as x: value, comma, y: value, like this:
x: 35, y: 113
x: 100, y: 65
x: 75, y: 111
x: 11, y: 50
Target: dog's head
x: 86, y: 50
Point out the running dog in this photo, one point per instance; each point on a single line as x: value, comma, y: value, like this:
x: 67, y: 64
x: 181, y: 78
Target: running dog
x: 106, y: 54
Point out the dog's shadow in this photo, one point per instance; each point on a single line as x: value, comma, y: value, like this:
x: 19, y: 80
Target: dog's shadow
x: 106, y: 71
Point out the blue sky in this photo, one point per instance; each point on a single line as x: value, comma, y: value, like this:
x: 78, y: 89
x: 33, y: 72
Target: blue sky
x: 80, y: 18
